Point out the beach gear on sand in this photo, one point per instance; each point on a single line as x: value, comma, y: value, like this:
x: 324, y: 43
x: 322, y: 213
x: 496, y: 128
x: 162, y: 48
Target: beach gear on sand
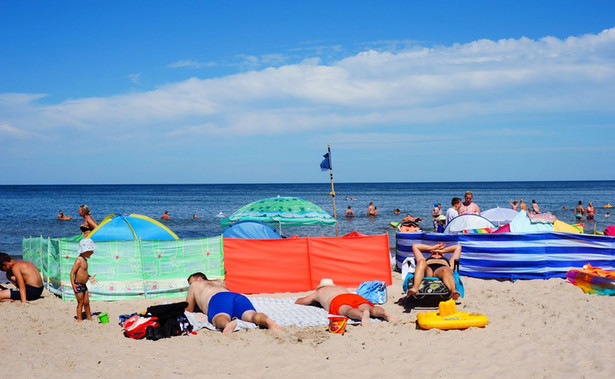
x: 374, y: 291
x: 337, y: 324
x: 593, y: 280
x: 449, y: 318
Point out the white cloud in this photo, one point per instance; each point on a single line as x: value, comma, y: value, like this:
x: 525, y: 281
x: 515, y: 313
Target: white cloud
x: 408, y: 88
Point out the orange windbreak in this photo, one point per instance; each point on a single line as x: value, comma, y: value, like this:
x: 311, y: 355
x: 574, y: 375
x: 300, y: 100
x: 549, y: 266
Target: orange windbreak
x: 298, y: 264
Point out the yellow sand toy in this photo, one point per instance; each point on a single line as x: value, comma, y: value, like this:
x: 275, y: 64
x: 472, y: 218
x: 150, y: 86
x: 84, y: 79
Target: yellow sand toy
x: 449, y: 318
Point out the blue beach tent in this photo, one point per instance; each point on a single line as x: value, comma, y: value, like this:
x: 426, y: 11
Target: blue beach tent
x: 250, y: 229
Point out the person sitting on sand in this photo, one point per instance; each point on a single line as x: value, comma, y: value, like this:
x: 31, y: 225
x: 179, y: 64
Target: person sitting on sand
x: 24, y: 276
x: 522, y: 205
x: 221, y: 306
x: 435, y: 265
x: 337, y: 300
x: 514, y: 204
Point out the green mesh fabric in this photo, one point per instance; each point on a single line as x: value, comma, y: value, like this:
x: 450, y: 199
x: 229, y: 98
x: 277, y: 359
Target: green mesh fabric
x: 126, y: 269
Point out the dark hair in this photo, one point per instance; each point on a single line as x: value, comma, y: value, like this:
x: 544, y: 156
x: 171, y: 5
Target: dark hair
x: 4, y: 257
x: 455, y: 200
x: 197, y: 275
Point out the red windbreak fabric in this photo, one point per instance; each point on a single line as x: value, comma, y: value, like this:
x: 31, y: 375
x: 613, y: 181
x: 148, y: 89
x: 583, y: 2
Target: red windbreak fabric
x: 298, y: 264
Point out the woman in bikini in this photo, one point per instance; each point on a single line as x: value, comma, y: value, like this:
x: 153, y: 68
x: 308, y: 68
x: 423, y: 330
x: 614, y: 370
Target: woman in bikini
x: 88, y: 223
x: 435, y: 265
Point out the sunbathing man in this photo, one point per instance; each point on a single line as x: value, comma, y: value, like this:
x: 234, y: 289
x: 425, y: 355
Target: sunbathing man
x: 221, y: 306
x: 24, y: 276
x: 435, y: 265
x: 338, y: 300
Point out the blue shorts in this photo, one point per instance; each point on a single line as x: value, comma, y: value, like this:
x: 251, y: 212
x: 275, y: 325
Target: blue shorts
x: 230, y: 303
x: 32, y: 293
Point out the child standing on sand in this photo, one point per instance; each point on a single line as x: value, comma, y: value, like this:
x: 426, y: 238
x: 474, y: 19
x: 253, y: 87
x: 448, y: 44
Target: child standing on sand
x: 79, y: 277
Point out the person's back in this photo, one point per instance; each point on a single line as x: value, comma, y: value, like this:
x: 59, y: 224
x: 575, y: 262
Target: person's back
x: 201, y: 291
x: 324, y: 295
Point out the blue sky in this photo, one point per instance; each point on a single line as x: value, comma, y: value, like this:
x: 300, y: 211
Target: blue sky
x: 254, y: 91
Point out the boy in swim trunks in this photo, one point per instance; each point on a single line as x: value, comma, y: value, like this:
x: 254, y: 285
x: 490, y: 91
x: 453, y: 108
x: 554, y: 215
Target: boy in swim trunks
x: 79, y: 277
x: 221, y: 306
x: 24, y: 276
x: 338, y: 300
x: 435, y: 265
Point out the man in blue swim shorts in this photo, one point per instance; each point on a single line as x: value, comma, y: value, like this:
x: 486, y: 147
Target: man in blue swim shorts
x: 221, y: 306
x: 24, y: 276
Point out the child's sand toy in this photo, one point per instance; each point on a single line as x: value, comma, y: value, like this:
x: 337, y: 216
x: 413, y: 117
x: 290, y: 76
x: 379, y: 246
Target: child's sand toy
x: 337, y: 324
x: 103, y: 318
x: 449, y: 318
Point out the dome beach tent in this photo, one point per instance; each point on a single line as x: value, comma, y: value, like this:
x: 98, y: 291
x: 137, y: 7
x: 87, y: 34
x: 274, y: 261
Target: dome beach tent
x: 499, y: 216
x: 117, y: 227
x: 281, y: 211
x: 467, y: 221
x: 250, y: 229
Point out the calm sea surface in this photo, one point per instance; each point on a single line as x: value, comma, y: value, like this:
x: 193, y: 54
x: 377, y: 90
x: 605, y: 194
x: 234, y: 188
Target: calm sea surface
x: 32, y: 210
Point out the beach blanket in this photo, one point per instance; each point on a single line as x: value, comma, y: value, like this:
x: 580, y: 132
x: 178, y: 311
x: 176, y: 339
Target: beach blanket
x: 283, y: 311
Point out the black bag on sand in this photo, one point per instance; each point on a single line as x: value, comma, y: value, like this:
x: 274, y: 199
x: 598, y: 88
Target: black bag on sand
x: 172, y: 321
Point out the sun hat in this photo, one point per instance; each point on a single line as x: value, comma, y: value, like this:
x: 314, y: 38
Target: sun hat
x: 325, y: 283
x: 441, y: 218
x: 86, y: 244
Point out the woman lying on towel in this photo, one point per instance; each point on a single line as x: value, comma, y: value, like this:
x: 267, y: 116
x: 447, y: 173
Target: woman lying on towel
x: 435, y: 265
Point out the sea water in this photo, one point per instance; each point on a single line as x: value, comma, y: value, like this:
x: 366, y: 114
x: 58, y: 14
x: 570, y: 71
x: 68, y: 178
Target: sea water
x: 31, y: 210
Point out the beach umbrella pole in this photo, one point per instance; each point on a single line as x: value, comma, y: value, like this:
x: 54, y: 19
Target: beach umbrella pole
x: 332, y: 193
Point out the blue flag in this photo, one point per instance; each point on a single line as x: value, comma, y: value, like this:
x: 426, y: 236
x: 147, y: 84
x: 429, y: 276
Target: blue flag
x: 326, y: 163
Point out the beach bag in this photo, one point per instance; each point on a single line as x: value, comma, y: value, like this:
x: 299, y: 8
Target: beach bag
x: 374, y: 291
x: 136, y: 326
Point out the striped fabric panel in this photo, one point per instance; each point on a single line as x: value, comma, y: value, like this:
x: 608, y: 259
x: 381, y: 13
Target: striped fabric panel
x: 519, y: 256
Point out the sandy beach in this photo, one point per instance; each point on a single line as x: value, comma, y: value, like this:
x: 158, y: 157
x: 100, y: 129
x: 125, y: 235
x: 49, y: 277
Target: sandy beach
x: 537, y: 328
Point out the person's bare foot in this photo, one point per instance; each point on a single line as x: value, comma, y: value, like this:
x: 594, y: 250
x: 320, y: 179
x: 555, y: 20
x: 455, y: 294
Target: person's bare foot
x: 365, y: 317
x: 390, y: 317
x: 455, y: 295
x: 271, y: 325
x: 229, y: 327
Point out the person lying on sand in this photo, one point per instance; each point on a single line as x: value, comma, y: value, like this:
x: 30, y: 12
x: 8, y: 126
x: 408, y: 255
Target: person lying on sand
x: 338, y: 300
x: 24, y: 276
x: 221, y: 306
x: 435, y: 265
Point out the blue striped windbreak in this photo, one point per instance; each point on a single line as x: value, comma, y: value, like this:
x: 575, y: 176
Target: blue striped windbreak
x: 519, y: 256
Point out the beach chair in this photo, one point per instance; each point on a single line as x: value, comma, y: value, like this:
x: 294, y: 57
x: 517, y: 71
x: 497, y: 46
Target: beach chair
x: 432, y: 289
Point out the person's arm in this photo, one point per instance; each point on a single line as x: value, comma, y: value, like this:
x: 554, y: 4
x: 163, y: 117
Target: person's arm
x: 73, y: 273
x: 418, y: 248
x: 306, y: 300
x: 190, y: 300
x: 21, y: 284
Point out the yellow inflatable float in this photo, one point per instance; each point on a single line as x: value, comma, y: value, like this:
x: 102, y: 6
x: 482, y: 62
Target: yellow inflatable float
x: 449, y: 318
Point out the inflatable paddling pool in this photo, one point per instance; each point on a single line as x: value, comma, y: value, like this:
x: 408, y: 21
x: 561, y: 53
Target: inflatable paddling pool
x: 449, y: 318
x: 593, y: 280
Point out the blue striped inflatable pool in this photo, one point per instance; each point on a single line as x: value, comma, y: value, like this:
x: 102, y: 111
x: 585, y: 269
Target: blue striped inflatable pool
x: 518, y: 256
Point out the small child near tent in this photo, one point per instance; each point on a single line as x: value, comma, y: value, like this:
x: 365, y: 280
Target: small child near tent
x: 79, y: 277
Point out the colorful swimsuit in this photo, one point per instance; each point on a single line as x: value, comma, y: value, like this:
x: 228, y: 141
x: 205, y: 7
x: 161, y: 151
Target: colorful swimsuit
x: 351, y: 299
x: 80, y: 287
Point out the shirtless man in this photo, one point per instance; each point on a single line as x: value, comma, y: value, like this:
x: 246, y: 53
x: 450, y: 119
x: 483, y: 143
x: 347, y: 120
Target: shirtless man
x: 438, y: 266
x: 221, y: 306
x: 24, y: 276
x: 338, y: 300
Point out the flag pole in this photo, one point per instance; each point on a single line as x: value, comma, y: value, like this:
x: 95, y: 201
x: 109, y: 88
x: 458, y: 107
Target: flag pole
x: 332, y: 193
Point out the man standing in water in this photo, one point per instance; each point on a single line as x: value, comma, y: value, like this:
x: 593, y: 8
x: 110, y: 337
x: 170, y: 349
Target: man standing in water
x: 221, y: 306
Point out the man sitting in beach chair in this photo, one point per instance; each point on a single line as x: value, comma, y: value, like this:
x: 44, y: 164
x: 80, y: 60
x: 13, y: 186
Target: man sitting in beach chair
x: 435, y: 265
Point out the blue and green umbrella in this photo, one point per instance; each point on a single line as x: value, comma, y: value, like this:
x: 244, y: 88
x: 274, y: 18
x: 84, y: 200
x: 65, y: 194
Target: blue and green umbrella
x: 281, y: 211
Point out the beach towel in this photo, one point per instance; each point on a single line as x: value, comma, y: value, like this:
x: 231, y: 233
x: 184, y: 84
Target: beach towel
x: 283, y: 311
